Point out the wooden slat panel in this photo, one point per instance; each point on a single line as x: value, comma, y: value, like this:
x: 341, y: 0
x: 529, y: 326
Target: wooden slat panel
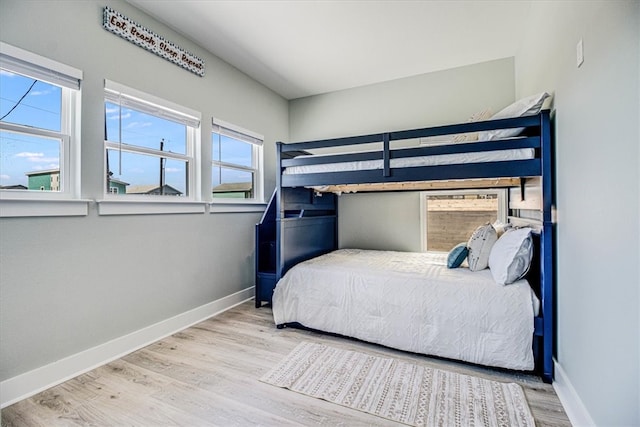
x: 421, y: 185
x: 447, y: 229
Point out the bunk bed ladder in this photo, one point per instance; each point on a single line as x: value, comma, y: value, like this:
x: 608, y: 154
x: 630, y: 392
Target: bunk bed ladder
x: 265, y: 256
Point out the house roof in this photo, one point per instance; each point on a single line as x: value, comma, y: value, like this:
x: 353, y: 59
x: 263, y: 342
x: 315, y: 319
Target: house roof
x: 43, y: 172
x: 230, y: 187
x: 147, y: 189
x: 13, y: 187
x: 117, y: 181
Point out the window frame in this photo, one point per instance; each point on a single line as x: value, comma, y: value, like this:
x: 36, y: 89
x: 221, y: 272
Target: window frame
x: 256, y: 141
x: 503, y: 207
x: 135, y: 99
x: 68, y: 79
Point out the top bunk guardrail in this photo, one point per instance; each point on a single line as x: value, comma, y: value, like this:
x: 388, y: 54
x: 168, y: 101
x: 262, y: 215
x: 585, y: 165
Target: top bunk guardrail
x: 299, y: 167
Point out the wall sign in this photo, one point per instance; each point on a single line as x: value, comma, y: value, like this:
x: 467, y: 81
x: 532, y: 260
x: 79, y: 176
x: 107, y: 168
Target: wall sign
x: 119, y: 24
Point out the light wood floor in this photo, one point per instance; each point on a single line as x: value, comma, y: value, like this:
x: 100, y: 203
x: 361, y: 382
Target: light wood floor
x: 207, y: 375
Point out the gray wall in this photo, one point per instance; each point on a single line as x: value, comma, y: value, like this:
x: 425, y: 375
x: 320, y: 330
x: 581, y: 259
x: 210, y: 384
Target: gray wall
x: 598, y: 164
x: 392, y: 220
x: 385, y: 221
x: 428, y: 99
x: 59, y: 293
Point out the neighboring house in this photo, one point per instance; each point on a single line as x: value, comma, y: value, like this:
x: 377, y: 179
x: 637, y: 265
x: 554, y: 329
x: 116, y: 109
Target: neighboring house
x: 167, y: 190
x: 235, y: 190
x: 13, y: 187
x: 46, y: 180
x: 49, y: 180
x: 117, y: 187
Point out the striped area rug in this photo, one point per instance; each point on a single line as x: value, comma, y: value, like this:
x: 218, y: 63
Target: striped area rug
x: 399, y: 391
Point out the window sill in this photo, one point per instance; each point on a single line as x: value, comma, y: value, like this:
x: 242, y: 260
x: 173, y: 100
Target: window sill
x: 227, y: 206
x: 149, y: 207
x: 16, y: 208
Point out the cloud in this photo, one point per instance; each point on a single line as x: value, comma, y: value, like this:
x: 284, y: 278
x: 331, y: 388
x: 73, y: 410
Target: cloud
x: 172, y: 170
x: 28, y: 154
x: 7, y: 73
x: 43, y: 159
x: 39, y: 92
x: 133, y: 125
x: 5, y: 177
x: 36, y: 157
x: 116, y: 116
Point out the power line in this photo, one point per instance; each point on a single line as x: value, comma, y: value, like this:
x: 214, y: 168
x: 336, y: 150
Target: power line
x: 25, y: 104
x: 20, y: 100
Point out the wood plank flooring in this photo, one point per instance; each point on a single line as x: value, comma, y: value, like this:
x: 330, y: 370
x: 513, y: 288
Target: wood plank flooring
x: 207, y: 375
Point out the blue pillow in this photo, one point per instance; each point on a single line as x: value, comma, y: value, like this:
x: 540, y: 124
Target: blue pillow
x: 457, y: 255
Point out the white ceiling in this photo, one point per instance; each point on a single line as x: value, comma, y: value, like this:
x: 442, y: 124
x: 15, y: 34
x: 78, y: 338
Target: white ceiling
x: 302, y: 48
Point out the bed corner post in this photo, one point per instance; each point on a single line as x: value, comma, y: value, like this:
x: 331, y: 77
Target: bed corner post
x: 278, y: 245
x: 547, y: 246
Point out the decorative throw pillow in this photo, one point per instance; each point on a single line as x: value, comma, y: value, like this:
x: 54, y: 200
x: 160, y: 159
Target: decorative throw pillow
x: 457, y: 255
x: 480, y: 244
x: 524, y: 107
x: 473, y: 136
x: 510, y: 257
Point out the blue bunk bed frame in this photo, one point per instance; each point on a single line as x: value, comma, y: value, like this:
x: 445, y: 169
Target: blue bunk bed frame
x: 300, y: 223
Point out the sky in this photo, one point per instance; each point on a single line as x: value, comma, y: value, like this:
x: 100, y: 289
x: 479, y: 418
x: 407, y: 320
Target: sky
x: 41, y: 107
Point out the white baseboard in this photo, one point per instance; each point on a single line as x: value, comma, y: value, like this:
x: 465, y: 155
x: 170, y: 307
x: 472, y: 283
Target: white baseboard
x: 571, y: 402
x: 25, y: 385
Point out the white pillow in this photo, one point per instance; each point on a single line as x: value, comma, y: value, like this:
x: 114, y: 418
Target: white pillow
x: 480, y: 244
x: 510, y: 257
x: 524, y: 107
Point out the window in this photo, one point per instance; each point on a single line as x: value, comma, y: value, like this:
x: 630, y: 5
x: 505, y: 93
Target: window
x: 236, y: 163
x: 39, y: 134
x: 450, y: 217
x: 151, y: 146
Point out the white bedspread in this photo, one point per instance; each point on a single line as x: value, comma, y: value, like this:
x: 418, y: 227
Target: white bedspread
x: 412, y: 302
x: 407, y: 162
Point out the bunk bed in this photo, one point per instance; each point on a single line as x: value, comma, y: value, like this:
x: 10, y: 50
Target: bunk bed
x: 299, y: 227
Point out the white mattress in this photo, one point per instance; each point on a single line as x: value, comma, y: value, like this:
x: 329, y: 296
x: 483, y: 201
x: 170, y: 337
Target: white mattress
x: 437, y: 160
x: 412, y: 302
